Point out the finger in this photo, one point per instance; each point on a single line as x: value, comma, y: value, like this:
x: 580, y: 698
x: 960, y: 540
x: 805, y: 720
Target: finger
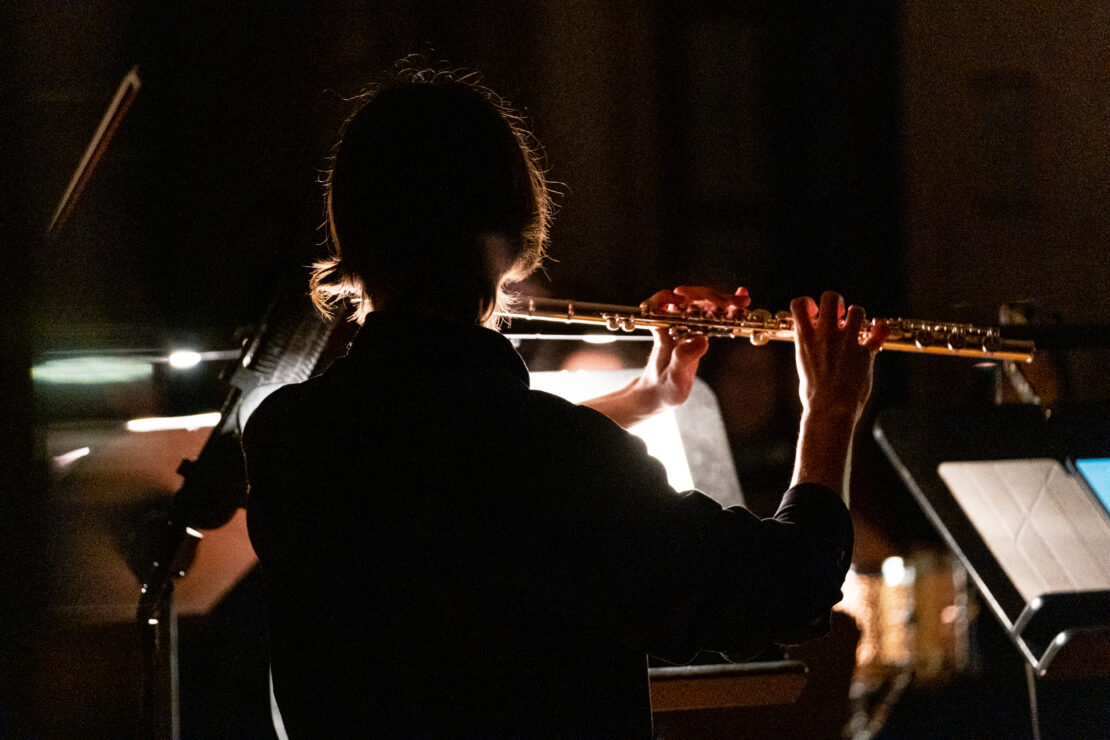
x: 691, y: 349
x: 804, y: 311
x: 664, y: 341
x: 708, y: 299
x: 828, y: 315
x: 880, y: 330
x: 662, y: 349
x: 853, y: 320
x: 701, y: 297
x: 664, y: 301
x: 738, y: 302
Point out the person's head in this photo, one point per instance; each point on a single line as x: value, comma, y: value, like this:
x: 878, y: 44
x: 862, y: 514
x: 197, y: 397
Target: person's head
x: 435, y: 198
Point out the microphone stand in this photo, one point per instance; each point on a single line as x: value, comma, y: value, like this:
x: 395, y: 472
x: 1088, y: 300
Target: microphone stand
x: 177, y: 541
x: 156, y: 615
x: 215, y: 486
x: 287, y: 347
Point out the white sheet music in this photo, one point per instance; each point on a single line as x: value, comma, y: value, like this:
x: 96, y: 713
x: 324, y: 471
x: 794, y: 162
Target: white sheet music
x: 1046, y: 530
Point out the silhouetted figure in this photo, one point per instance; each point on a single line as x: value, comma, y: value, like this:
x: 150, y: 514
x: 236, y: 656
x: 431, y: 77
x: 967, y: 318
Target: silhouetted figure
x: 451, y: 554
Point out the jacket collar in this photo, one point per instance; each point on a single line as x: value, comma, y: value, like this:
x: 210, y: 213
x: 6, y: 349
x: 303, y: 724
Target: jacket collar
x: 407, y: 343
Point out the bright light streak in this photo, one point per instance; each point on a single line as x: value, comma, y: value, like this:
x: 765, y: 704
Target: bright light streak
x: 68, y: 458
x: 92, y: 370
x: 163, y: 423
x: 184, y: 358
x: 598, y: 339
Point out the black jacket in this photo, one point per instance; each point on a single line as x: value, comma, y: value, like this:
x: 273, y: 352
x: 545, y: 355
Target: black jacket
x: 449, y: 553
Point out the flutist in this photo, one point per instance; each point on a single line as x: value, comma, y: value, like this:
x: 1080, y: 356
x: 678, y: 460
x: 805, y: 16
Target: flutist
x: 450, y: 554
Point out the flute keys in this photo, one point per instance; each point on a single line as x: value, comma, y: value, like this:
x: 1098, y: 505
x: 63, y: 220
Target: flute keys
x: 766, y: 320
x: 762, y: 327
x: 617, y: 322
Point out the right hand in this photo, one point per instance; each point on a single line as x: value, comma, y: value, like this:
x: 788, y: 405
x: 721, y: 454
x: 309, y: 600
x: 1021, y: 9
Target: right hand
x: 834, y: 366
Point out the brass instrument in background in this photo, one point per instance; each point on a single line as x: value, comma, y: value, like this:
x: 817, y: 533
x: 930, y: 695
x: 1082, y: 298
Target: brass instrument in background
x: 760, y: 327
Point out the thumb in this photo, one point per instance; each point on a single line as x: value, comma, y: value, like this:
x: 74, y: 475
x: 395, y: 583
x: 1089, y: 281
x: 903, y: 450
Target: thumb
x: 692, y: 348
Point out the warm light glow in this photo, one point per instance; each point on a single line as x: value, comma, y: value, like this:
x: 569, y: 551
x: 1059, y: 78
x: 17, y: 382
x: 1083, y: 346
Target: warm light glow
x: 163, y: 423
x: 184, y: 358
x: 861, y: 600
x: 660, y: 433
x: 664, y: 443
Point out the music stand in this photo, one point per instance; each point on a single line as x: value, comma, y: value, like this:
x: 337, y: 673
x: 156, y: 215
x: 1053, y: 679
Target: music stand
x: 1064, y: 637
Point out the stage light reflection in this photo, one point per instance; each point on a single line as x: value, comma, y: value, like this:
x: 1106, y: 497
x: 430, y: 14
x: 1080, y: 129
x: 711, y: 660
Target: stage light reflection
x: 163, y: 423
x: 68, y: 458
x: 894, y: 571
x: 92, y: 370
x: 184, y: 358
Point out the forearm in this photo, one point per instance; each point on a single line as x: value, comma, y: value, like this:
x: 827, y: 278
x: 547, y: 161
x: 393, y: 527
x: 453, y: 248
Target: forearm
x: 628, y: 406
x: 825, y: 449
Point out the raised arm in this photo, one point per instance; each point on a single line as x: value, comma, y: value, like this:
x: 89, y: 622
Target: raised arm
x: 669, y: 376
x: 834, y: 374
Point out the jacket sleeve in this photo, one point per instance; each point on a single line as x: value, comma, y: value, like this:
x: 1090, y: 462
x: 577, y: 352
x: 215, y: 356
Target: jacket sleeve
x: 679, y: 573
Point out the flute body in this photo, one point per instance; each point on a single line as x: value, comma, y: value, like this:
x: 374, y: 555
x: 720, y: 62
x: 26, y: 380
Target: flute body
x: 760, y: 327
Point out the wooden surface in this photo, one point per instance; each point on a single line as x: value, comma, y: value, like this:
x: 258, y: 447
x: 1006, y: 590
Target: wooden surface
x: 681, y: 688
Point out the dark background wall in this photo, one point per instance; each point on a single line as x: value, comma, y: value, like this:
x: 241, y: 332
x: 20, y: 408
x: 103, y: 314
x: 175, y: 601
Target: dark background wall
x: 695, y: 141
x: 920, y: 158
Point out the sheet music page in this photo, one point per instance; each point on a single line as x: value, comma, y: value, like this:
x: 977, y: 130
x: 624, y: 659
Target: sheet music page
x: 1041, y: 524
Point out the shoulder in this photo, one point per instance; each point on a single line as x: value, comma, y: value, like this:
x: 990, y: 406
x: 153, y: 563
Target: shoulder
x: 281, y: 412
x: 576, y: 420
x: 585, y: 446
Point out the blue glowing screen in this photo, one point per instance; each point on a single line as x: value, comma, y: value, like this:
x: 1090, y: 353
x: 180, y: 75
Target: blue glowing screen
x: 1096, y: 471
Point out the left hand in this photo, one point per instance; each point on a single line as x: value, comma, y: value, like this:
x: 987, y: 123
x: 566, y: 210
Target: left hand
x: 668, y: 378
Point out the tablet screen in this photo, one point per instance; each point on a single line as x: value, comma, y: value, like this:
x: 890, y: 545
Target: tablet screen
x: 1096, y: 472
